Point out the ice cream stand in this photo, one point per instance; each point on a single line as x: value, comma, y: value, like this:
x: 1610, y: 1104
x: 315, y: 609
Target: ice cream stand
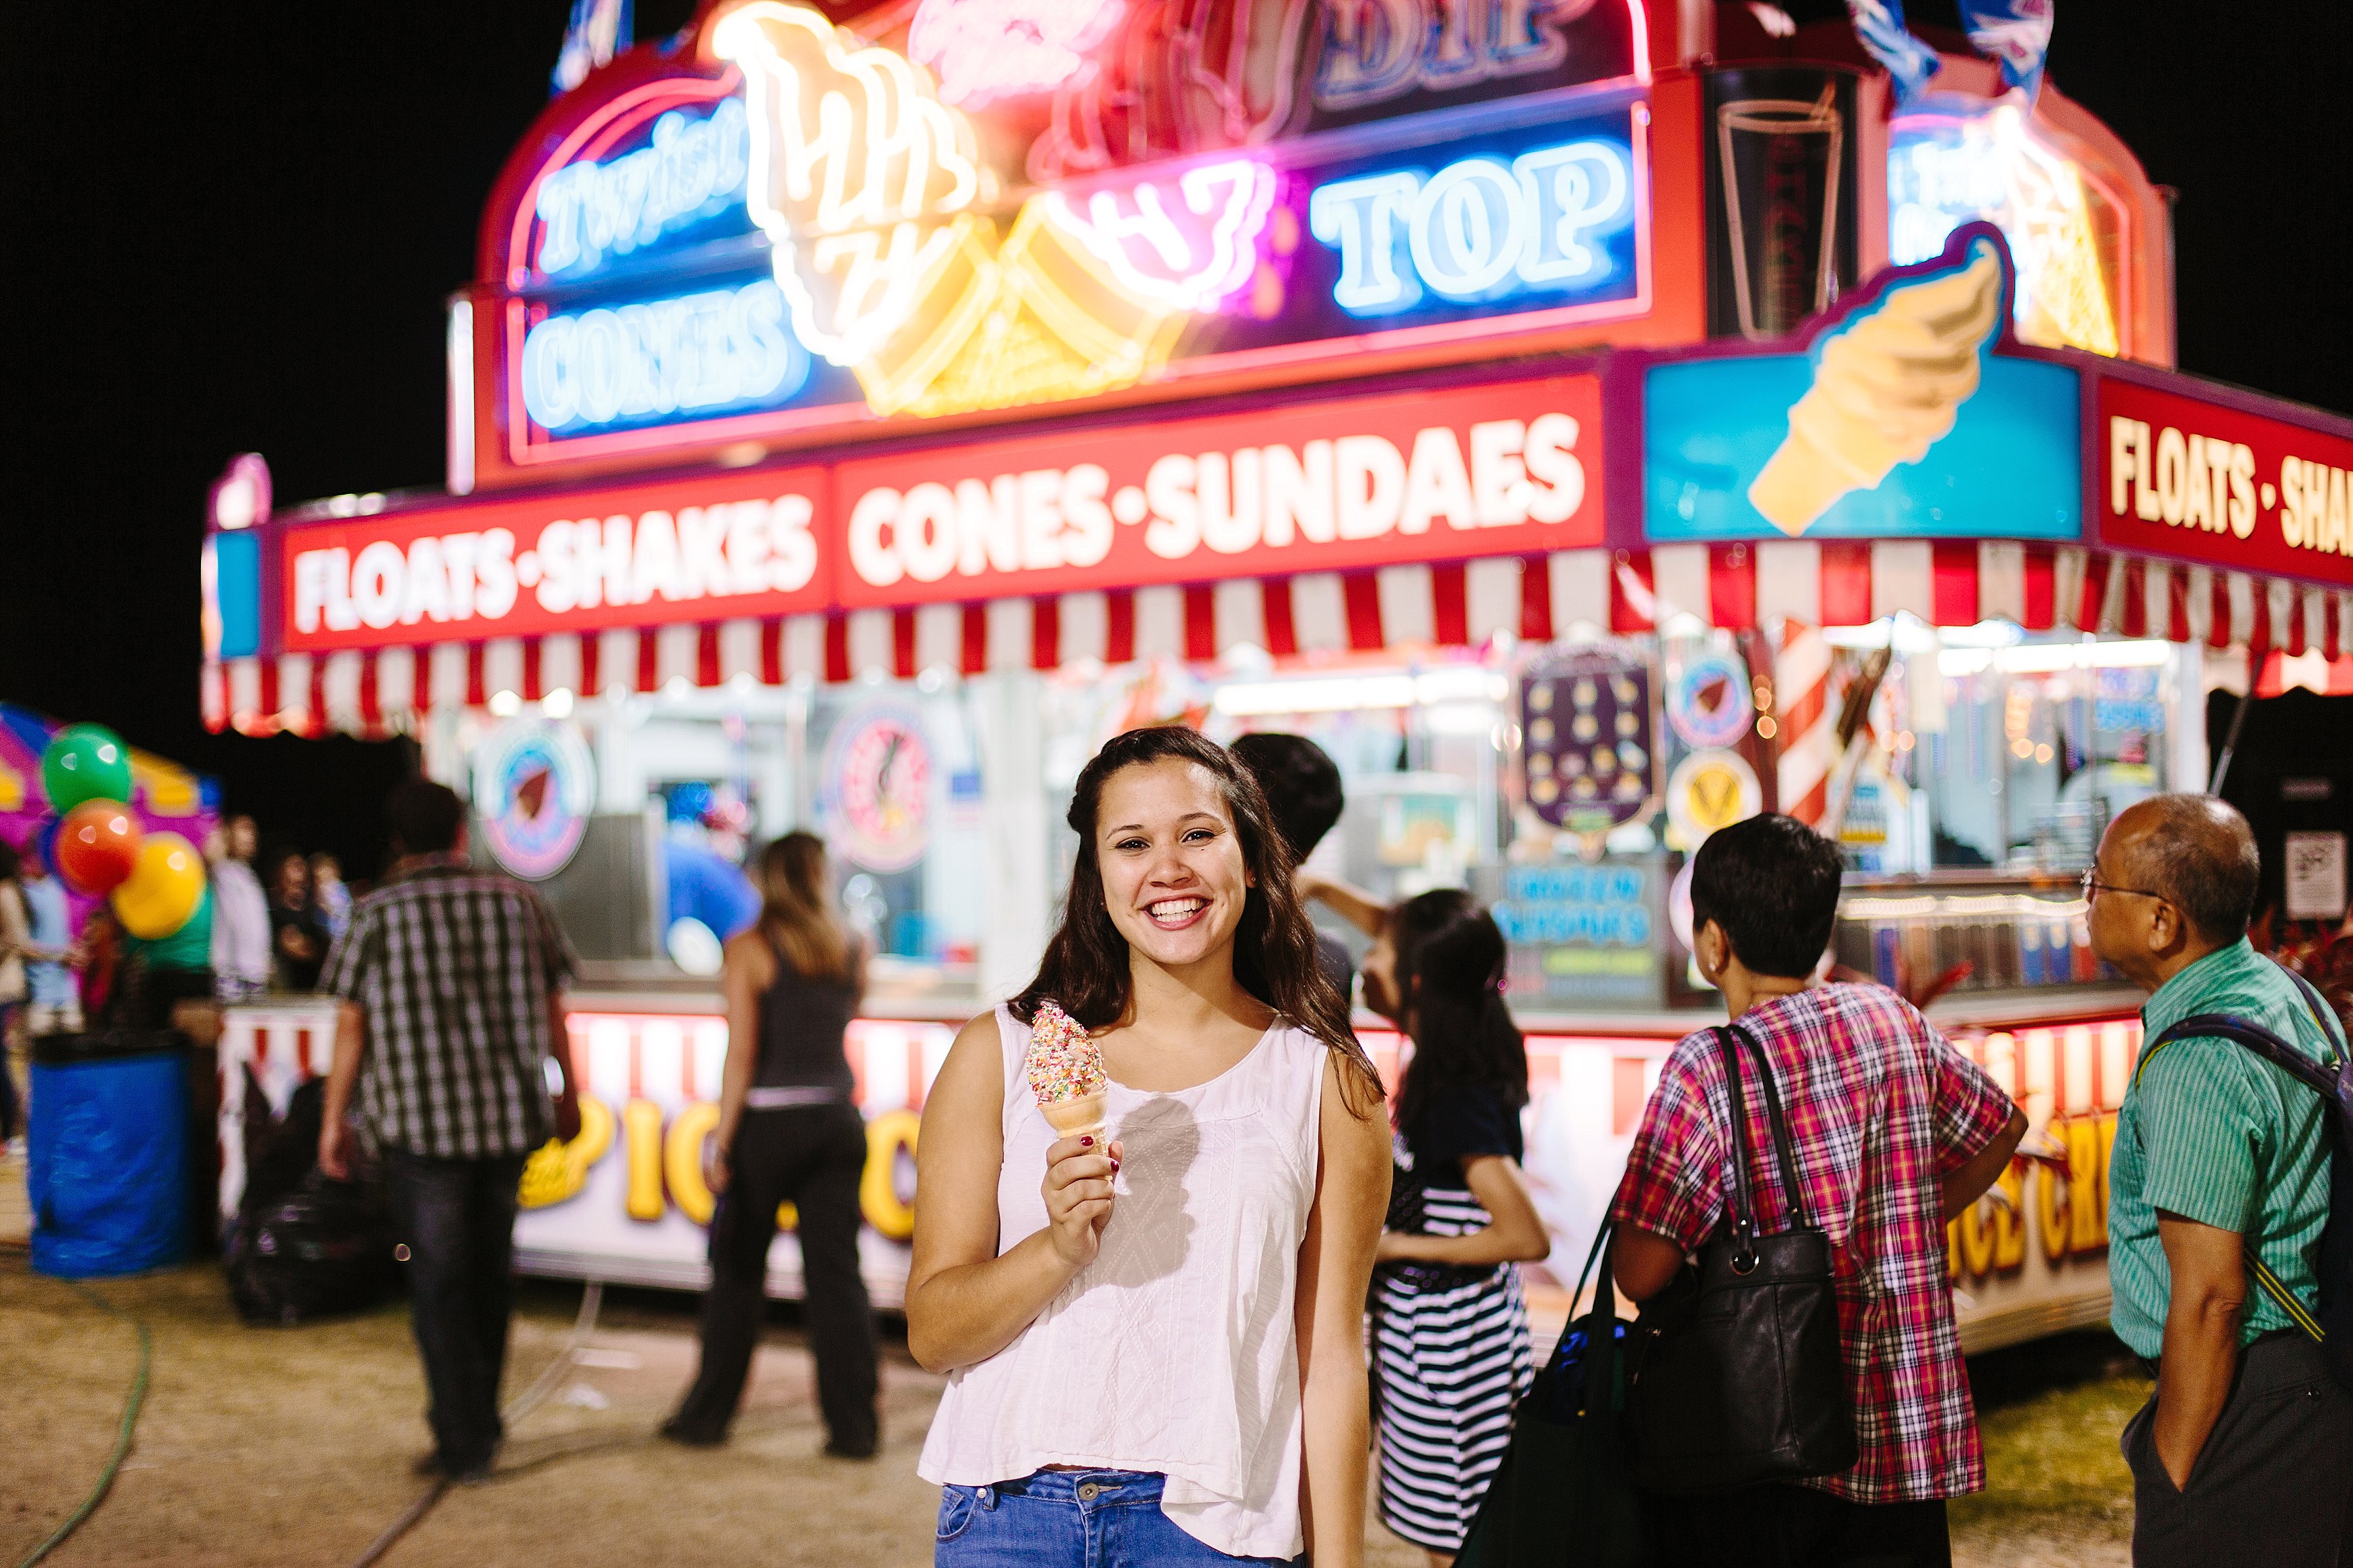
x: 1592, y: 426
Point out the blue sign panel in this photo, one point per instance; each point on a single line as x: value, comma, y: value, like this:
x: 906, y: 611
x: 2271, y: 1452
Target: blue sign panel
x: 1518, y: 220
x: 1899, y: 422
x: 1582, y: 935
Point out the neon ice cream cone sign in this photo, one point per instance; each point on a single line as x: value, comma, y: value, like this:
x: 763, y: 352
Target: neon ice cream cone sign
x: 873, y: 198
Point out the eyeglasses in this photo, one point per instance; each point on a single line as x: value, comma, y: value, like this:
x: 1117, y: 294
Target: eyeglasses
x: 2093, y: 888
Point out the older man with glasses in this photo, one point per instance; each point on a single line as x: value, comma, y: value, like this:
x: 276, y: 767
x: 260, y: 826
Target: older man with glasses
x: 2244, y: 1452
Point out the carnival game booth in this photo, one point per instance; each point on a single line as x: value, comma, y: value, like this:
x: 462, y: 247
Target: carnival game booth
x: 1593, y: 427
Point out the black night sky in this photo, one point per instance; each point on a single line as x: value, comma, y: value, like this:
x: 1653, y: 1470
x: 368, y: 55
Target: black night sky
x: 232, y: 227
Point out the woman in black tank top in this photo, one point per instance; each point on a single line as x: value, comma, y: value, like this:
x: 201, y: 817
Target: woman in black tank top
x: 789, y: 1133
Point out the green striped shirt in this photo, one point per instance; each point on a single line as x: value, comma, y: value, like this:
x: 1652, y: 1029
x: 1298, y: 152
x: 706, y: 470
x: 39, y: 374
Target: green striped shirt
x: 2211, y: 1131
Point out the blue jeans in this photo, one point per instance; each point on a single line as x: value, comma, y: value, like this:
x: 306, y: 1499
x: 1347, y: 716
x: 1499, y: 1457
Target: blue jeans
x: 1066, y: 1518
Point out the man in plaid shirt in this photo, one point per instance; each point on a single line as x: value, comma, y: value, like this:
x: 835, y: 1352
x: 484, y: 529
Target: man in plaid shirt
x: 1894, y: 1133
x: 451, y: 982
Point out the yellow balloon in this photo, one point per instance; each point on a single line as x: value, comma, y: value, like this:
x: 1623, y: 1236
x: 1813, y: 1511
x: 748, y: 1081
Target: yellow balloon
x: 163, y: 889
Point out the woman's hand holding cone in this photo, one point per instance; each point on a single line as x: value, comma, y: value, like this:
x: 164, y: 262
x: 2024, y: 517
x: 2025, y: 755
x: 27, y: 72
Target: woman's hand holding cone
x: 1078, y: 1193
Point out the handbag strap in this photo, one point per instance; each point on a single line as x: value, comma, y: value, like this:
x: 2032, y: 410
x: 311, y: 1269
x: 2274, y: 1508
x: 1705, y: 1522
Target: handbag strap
x: 1784, y: 1146
x: 1741, y: 1207
x: 1738, y: 1211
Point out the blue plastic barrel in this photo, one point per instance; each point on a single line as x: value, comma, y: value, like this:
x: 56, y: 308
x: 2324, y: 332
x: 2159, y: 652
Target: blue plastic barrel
x: 107, y: 1158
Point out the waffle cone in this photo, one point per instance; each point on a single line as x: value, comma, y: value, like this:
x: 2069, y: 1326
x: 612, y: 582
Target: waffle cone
x: 1069, y: 1117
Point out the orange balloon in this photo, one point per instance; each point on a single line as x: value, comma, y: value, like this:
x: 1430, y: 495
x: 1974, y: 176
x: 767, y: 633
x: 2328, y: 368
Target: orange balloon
x: 98, y: 846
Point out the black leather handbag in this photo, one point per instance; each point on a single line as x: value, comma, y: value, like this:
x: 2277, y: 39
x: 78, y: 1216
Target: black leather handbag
x: 1561, y: 1498
x: 1738, y: 1377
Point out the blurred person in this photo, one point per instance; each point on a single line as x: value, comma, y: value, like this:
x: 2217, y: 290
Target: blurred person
x: 1451, y: 1349
x: 298, y: 938
x: 1894, y: 1132
x: 2244, y: 1451
x: 16, y: 939
x: 241, y: 935
x: 788, y: 1132
x: 1154, y: 1333
x: 452, y: 988
x: 328, y: 895
x: 1303, y: 789
x: 160, y: 982
x: 99, y: 956
x: 51, y: 1005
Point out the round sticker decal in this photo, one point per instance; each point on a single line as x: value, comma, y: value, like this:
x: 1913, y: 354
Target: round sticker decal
x: 1709, y: 790
x: 535, y: 787
x: 1708, y: 702
x: 878, y: 772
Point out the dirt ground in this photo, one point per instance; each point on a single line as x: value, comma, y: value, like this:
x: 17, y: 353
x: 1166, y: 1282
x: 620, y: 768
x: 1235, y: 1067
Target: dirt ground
x: 259, y: 1447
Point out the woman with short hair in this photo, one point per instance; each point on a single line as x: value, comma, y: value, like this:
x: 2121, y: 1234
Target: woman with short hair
x: 1154, y: 1335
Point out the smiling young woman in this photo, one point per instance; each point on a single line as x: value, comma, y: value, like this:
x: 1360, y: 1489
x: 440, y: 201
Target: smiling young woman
x: 1154, y: 1341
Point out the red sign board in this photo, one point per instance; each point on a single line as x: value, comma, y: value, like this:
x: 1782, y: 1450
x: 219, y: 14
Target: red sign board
x: 1347, y: 484
x: 2221, y: 484
x: 1343, y: 485
x: 688, y: 550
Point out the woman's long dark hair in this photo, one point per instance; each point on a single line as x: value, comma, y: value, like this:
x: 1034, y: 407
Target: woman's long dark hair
x: 1086, y: 964
x: 1450, y: 984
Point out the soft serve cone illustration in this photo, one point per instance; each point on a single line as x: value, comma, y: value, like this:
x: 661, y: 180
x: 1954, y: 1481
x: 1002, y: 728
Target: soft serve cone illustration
x: 1066, y: 1072
x: 1887, y: 388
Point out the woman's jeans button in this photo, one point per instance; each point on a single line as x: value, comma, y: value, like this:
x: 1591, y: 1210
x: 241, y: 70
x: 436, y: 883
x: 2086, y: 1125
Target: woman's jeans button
x: 1089, y: 1491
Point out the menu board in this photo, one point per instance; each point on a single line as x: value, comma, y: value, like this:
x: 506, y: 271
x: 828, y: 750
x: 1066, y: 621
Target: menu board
x: 1590, y: 726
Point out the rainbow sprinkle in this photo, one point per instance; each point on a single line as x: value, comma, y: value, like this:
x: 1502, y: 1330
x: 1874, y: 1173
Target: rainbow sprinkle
x: 1064, y: 1061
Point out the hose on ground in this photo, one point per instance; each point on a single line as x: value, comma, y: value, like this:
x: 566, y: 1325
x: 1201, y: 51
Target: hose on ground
x: 131, y: 1405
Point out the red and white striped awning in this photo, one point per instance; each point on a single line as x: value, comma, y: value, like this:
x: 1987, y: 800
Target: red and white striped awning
x: 1733, y: 587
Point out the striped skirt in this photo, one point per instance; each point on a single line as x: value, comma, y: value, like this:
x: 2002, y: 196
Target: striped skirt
x: 1450, y: 1359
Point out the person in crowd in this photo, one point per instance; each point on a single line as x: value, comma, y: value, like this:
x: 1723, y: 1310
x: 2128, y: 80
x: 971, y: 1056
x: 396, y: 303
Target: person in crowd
x: 451, y: 982
x: 1450, y: 1348
x: 51, y: 1005
x: 240, y: 927
x: 1895, y: 1133
x: 1303, y: 789
x: 2244, y: 1451
x: 163, y: 983
x: 1154, y: 1333
x: 16, y: 938
x: 298, y: 937
x: 99, y: 956
x: 329, y: 896
x: 788, y: 1132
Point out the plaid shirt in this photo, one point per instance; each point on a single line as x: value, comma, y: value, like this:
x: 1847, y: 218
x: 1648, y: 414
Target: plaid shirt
x: 1880, y: 1107
x: 455, y: 969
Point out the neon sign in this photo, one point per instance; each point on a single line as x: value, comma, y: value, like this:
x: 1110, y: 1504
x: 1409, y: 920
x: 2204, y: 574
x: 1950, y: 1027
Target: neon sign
x: 1478, y: 229
x: 1944, y: 170
x: 1382, y: 49
x: 855, y: 155
x: 727, y: 348
x: 693, y: 170
x: 917, y: 266
x: 985, y: 50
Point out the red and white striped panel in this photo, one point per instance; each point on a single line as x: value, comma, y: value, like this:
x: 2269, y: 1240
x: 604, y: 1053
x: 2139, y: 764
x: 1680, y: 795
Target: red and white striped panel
x: 1824, y: 583
x: 285, y: 1044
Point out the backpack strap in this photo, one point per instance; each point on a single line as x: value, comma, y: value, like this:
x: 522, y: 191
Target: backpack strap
x: 2322, y: 1080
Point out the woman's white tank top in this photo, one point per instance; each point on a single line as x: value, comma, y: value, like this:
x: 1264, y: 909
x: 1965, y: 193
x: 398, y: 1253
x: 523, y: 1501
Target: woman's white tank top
x: 1174, y: 1351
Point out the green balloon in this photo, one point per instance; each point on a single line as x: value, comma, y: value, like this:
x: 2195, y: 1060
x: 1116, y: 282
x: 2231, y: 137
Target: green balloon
x: 85, y: 761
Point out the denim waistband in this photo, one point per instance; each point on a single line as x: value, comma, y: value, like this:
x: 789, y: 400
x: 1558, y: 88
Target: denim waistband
x: 1100, y: 1488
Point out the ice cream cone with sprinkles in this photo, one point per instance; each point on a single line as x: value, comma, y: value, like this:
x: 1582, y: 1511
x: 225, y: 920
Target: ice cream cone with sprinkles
x: 1066, y: 1072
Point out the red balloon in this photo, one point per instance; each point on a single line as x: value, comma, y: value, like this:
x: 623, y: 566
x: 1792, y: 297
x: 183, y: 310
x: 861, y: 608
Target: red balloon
x: 98, y: 846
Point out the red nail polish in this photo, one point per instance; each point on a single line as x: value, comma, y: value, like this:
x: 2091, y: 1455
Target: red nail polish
x: 1086, y: 1142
